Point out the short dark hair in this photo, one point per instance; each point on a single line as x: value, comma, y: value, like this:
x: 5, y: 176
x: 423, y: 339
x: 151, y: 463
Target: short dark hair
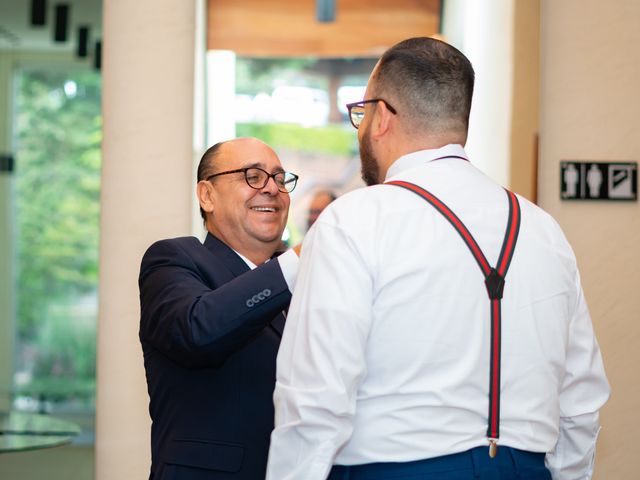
x: 206, y: 169
x: 431, y: 83
x: 325, y: 191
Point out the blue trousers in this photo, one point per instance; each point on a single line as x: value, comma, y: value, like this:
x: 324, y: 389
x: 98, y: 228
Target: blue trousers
x: 508, y: 464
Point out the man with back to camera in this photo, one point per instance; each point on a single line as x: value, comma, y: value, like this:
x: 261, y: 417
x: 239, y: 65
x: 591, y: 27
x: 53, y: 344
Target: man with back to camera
x: 212, y: 318
x: 438, y: 329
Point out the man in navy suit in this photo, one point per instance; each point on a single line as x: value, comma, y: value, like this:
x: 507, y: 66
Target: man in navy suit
x: 211, y: 320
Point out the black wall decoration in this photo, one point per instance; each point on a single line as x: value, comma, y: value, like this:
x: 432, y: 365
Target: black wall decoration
x: 38, y: 12
x: 61, y: 26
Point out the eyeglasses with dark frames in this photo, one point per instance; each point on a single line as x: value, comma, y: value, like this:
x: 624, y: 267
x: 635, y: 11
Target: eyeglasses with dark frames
x: 356, y: 110
x: 257, y: 178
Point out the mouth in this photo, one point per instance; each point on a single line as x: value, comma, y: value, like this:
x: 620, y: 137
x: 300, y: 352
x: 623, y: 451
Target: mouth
x: 264, y: 209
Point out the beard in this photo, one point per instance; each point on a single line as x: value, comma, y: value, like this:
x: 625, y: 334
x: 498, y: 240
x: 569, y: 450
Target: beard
x: 369, y: 165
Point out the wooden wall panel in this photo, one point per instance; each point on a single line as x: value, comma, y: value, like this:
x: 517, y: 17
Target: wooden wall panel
x: 282, y: 28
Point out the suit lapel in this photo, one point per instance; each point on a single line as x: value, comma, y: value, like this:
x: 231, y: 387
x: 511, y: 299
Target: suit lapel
x: 226, y: 255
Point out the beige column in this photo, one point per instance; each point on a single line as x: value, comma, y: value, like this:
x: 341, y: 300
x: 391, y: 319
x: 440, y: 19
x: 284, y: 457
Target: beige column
x: 589, y: 106
x: 148, y: 66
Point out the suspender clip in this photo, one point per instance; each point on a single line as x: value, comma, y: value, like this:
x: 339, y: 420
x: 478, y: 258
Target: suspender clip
x: 493, y: 447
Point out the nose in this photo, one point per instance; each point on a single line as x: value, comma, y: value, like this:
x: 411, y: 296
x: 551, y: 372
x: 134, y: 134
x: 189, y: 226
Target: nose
x: 270, y: 187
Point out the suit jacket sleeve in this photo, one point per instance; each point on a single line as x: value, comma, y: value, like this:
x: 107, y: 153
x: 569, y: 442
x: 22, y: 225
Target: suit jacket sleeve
x: 195, y: 311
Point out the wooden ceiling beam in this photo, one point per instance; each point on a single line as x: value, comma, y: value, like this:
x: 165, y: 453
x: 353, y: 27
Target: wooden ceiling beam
x: 289, y: 28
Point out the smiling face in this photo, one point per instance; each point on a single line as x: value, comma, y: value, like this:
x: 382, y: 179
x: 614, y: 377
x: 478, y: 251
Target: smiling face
x: 249, y: 220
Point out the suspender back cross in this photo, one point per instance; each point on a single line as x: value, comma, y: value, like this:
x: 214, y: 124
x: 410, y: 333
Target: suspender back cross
x: 494, y: 278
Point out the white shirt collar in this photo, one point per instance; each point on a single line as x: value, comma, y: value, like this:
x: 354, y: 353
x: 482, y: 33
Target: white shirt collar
x: 246, y: 260
x: 414, y: 159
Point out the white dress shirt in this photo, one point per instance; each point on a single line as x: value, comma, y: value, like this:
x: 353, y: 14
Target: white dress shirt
x: 385, y: 356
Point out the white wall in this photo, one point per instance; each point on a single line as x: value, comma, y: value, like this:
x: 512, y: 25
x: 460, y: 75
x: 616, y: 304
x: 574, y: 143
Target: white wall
x: 589, y: 111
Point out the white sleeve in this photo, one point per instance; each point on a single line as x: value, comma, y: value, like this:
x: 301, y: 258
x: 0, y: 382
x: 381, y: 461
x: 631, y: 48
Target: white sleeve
x: 288, y: 262
x: 584, y: 391
x: 321, y: 358
x: 574, y: 455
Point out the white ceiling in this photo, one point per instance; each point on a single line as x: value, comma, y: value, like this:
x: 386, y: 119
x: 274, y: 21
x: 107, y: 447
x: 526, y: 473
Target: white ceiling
x: 17, y: 33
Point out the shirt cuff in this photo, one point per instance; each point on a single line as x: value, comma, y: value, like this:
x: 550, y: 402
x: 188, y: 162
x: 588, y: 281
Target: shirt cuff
x: 288, y: 262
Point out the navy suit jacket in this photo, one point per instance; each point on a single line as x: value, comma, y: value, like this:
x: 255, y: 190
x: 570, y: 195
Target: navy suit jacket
x: 210, y: 329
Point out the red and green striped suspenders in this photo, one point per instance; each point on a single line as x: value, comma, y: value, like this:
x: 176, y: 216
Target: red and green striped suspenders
x: 494, y: 281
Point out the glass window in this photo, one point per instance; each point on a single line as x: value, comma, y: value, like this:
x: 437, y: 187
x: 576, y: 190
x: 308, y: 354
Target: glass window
x: 57, y: 131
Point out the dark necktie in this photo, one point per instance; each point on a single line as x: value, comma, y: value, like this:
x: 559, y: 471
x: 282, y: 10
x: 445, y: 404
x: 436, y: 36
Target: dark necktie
x: 278, y: 322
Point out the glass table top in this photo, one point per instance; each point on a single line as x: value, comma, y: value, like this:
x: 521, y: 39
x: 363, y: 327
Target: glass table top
x: 27, y: 431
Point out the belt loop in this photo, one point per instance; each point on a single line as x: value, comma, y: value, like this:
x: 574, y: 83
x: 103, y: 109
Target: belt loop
x: 474, y: 463
x: 514, y: 459
x: 339, y: 472
x: 347, y: 473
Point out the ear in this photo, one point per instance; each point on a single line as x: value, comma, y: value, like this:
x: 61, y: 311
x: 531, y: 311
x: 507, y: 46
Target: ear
x: 204, y: 191
x: 382, y: 121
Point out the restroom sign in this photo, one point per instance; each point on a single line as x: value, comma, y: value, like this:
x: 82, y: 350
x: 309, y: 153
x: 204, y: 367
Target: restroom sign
x: 599, y: 181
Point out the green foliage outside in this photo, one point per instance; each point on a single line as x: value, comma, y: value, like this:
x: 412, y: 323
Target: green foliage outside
x: 263, y: 75
x: 57, y: 223
x: 331, y: 139
x: 256, y: 75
